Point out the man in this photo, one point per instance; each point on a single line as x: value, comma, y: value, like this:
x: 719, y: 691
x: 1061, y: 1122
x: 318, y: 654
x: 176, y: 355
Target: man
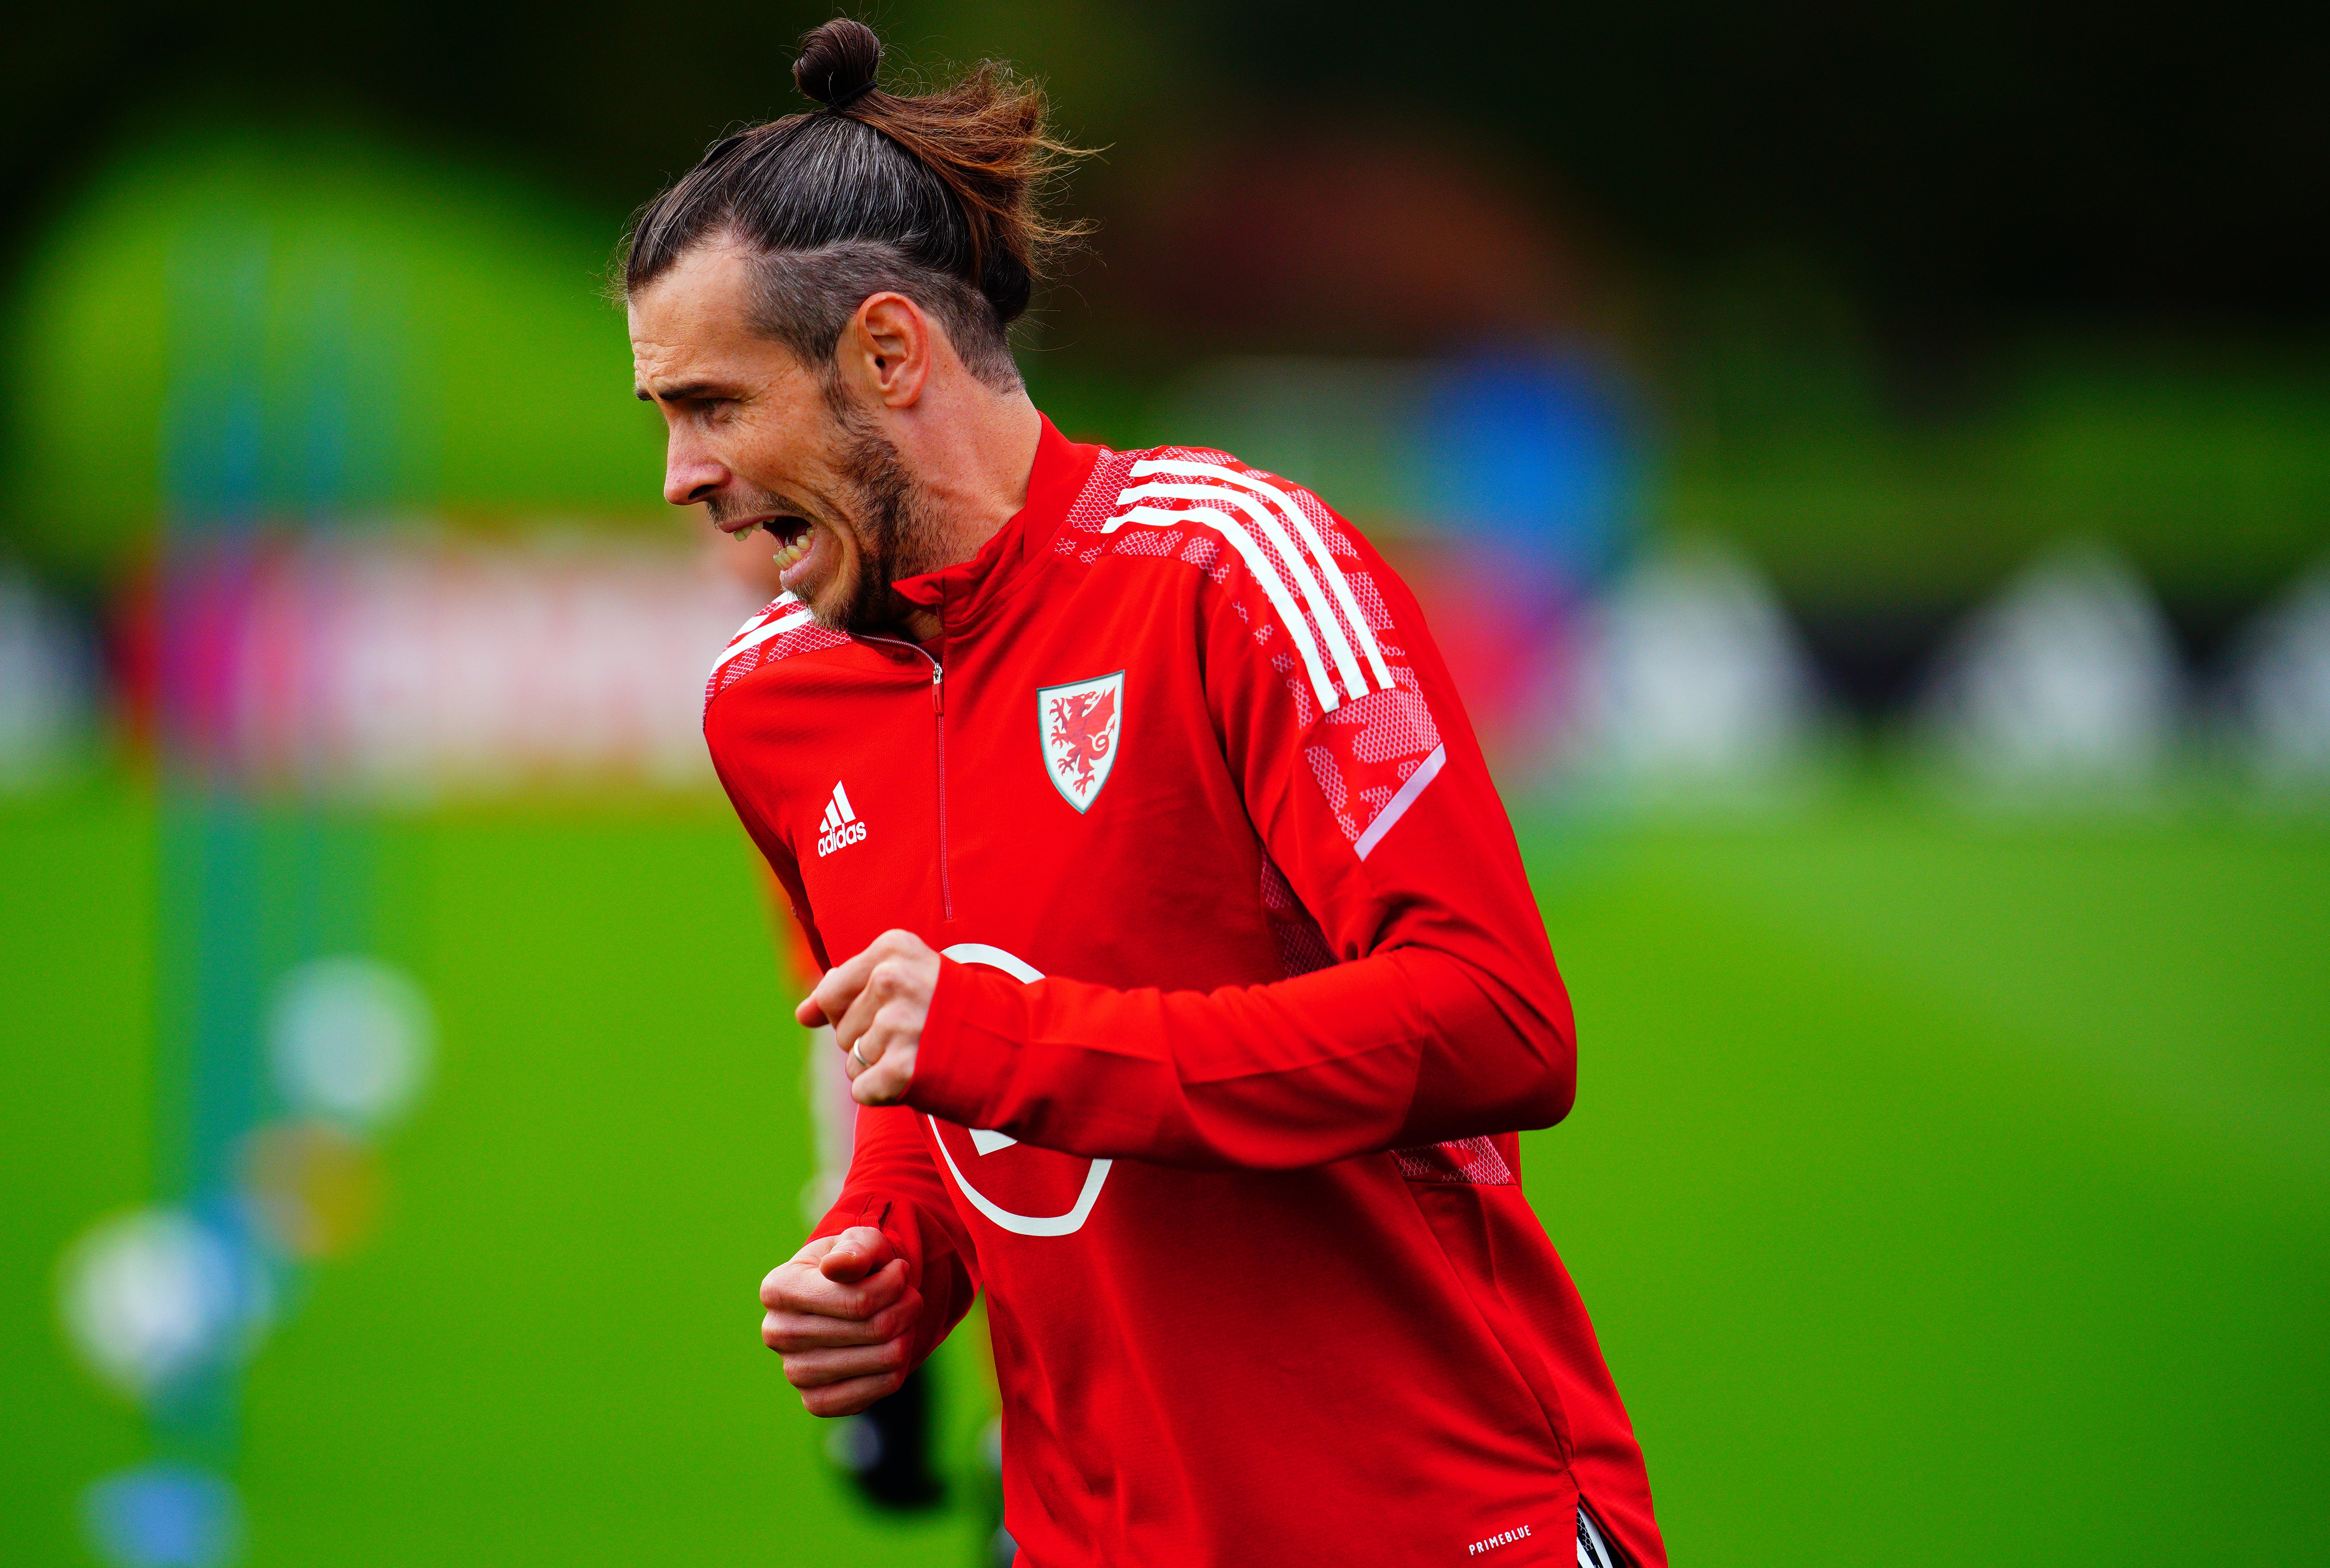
x: 1175, y: 936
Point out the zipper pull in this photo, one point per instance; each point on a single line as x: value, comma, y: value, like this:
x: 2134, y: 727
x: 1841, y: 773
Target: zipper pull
x: 938, y: 687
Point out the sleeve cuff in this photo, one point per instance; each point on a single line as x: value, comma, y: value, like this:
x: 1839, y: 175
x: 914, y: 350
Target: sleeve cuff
x: 965, y: 1057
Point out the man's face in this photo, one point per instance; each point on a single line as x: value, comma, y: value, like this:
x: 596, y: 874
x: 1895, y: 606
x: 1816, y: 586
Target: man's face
x: 756, y: 439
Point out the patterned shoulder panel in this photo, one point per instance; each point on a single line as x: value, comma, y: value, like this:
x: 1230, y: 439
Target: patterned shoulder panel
x: 1309, y: 596
x: 783, y: 628
x: 1469, y: 1161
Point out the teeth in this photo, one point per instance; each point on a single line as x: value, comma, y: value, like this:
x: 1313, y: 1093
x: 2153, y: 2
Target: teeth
x: 746, y: 531
x: 792, y: 553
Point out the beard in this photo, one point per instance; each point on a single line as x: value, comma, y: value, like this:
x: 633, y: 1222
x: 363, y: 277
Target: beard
x: 896, y: 534
x: 881, y: 508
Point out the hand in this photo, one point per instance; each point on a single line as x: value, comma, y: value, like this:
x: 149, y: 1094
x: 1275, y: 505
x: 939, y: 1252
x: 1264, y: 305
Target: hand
x: 878, y: 1004
x: 842, y: 1315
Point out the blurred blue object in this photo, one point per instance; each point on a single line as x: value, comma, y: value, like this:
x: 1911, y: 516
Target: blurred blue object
x: 1534, y: 454
x: 164, y: 1516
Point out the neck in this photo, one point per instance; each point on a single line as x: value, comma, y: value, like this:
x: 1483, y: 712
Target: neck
x: 970, y: 449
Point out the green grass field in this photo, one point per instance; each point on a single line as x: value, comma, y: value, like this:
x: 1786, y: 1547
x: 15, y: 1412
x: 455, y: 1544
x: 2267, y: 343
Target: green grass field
x: 1945, y: 1191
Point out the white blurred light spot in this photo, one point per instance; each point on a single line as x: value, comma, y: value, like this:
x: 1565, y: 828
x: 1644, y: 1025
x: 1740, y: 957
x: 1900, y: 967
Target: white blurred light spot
x: 2282, y: 685
x: 2068, y: 679
x: 1695, y: 675
x: 149, y: 1295
x: 351, y: 1038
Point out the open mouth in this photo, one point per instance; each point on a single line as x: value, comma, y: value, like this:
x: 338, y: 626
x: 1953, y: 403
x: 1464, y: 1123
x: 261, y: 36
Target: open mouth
x: 790, y: 534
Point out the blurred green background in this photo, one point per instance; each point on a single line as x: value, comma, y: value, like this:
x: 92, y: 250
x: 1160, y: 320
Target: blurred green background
x: 1943, y: 1193
x: 1951, y: 1171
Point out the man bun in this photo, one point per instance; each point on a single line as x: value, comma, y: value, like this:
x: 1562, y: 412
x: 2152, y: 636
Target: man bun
x: 837, y: 64
x: 937, y: 196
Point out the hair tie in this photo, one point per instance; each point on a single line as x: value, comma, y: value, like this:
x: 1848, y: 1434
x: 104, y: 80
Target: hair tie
x: 847, y: 99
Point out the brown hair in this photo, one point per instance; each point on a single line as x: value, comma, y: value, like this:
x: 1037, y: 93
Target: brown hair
x: 935, y: 197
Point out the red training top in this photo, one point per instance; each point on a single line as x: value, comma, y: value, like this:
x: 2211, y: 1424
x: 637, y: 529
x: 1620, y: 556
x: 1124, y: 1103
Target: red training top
x: 1244, y: 994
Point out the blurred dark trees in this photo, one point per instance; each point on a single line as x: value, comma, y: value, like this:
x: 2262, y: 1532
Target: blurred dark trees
x: 1953, y: 168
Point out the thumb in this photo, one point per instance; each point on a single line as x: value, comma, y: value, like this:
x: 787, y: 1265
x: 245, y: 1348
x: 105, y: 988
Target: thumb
x: 861, y: 1251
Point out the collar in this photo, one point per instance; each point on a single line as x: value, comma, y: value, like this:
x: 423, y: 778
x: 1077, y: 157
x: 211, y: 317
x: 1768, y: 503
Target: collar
x: 964, y: 592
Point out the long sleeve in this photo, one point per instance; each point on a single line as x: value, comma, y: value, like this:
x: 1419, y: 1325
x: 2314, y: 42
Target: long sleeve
x: 895, y: 1187
x: 1439, y: 1014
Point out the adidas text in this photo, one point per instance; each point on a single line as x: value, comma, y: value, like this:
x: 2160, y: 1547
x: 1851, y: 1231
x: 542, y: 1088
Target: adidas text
x: 841, y: 838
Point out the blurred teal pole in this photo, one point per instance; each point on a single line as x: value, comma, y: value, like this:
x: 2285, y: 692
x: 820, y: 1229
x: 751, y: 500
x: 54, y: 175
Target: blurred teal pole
x: 265, y: 436
x: 210, y: 1006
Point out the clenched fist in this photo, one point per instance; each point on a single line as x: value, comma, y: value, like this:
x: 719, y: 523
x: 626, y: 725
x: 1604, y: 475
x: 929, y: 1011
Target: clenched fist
x: 842, y: 1315
x: 878, y: 1004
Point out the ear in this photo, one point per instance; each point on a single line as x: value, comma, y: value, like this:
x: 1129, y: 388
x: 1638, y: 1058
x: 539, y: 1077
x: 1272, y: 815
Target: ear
x: 886, y: 349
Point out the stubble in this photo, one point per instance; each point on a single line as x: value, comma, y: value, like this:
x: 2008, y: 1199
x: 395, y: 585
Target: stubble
x: 897, y: 536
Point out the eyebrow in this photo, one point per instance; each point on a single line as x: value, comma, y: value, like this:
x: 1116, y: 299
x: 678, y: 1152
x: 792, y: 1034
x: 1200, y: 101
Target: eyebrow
x: 677, y: 394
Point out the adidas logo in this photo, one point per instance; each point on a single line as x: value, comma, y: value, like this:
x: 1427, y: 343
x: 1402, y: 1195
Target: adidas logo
x: 841, y: 827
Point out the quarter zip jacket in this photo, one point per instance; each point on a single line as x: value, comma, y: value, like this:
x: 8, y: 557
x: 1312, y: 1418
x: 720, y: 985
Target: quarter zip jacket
x: 1244, y: 996
x: 938, y: 725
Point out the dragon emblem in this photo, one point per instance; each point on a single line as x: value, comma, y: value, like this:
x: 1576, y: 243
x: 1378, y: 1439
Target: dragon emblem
x: 1079, y: 726
x: 1082, y: 730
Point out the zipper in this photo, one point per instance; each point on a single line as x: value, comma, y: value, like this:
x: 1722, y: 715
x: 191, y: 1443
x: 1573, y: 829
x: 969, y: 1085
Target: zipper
x: 937, y: 717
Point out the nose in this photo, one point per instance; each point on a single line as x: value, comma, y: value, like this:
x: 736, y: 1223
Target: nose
x: 690, y: 473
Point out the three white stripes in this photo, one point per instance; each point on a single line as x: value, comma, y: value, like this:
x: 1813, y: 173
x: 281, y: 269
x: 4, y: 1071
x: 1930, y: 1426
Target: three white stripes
x: 1269, y: 510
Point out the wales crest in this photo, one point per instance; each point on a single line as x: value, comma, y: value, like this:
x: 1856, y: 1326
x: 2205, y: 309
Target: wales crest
x: 1079, y: 724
